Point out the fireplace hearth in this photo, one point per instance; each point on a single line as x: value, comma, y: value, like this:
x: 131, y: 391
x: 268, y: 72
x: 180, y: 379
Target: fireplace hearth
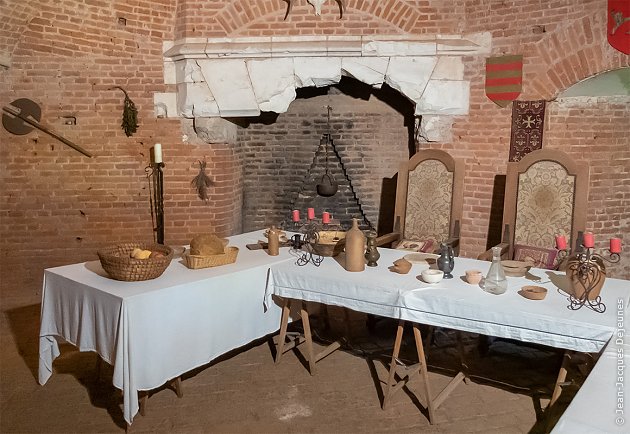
x: 284, y: 159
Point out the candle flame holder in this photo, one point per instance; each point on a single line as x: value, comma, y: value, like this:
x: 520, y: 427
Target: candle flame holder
x: 155, y: 176
x: 586, y: 271
x: 304, y: 244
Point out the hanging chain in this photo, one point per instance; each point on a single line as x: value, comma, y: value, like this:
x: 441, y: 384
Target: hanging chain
x: 328, y: 135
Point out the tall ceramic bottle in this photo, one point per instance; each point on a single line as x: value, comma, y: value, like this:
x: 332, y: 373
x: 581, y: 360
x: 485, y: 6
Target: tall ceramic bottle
x: 273, y: 237
x: 355, y: 248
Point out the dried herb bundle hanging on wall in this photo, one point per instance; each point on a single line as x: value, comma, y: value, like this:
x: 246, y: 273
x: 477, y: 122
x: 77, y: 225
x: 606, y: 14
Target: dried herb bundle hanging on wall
x: 202, y: 182
x: 130, y: 114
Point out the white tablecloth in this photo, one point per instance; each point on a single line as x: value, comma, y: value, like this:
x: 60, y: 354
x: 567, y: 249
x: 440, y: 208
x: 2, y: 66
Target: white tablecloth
x: 156, y: 330
x: 602, y: 405
x: 453, y: 303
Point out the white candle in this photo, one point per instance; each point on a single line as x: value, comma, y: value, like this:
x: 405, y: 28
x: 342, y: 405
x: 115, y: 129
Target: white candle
x: 157, y: 153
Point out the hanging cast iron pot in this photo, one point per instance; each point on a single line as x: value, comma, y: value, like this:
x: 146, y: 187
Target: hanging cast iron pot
x: 327, y: 185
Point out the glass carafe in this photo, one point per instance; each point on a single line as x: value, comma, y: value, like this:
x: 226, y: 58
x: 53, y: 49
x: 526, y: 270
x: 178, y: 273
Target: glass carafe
x: 496, y: 282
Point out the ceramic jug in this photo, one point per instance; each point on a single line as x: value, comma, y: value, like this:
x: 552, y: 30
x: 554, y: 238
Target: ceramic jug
x: 495, y: 281
x: 355, y: 248
x: 586, y: 277
x: 446, y: 261
x: 273, y: 237
x: 371, y: 254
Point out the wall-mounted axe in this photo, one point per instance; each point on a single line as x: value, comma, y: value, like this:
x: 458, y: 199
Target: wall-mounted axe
x: 24, y: 114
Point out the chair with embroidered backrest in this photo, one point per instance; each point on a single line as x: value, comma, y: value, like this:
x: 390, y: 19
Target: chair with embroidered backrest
x: 428, y: 210
x: 545, y: 195
x: 429, y: 198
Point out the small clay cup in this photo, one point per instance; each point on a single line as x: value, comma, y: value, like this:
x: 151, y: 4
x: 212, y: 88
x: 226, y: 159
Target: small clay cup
x: 473, y: 277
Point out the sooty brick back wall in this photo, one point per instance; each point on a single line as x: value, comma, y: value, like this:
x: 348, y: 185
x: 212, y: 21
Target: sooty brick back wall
x: 371, y: 137
x: 58, y: 207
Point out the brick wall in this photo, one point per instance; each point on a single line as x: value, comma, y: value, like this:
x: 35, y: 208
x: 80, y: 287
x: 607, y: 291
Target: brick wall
x: 58, y: 207
x: 596, y: 130
x: 371, y: 138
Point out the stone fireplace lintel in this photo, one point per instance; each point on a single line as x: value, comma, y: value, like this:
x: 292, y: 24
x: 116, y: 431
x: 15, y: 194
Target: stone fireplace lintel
x: 229, y: 77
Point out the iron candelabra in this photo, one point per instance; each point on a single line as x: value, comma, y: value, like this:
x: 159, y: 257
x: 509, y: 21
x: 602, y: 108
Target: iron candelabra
x: 155, y: 175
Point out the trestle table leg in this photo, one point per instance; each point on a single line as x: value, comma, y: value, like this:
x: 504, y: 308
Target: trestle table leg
x: 177, y: 385
x: 421, y: 368
x: 284, y: 322
x: 462, y: 358
x: 392, y: 366
x: 562, y: 376
x: 309, y: 339
x: 424, y: 372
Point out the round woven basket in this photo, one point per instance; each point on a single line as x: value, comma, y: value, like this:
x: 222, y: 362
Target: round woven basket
x: 118, y: 263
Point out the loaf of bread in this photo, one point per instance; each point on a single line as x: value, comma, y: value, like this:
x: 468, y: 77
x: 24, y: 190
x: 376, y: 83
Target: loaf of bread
x: 207, y: 245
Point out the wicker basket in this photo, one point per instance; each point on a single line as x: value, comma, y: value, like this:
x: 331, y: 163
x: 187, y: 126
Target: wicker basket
x: 330, y: 243
x: 196, y: 261
x: 119, y: 264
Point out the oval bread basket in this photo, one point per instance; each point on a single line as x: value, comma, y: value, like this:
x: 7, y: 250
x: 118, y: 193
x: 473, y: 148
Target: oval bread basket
x: 118, y: 263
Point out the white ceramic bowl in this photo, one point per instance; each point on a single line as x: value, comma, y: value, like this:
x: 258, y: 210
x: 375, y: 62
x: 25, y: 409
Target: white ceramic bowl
x: 432, y: 276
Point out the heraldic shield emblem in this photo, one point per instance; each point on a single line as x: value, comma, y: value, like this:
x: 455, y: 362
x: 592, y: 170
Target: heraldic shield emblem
x: 504, y: 79
x: 619, y: 25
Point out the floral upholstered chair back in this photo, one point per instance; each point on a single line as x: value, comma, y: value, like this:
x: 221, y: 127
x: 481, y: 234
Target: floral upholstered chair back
x: 550, y: 195
x: 429, y: 200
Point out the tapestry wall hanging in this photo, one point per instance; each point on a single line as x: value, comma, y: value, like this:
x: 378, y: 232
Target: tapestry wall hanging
x: 528, y: 120
x: 619, y: 25
x: 504, y: 78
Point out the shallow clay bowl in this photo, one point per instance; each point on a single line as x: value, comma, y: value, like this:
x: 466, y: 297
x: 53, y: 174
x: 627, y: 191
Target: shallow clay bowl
x: 533, y: 292
x: 516, y: 268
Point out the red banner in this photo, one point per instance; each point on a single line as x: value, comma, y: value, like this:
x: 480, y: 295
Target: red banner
x: 504, y: 79
x: 619, y: 25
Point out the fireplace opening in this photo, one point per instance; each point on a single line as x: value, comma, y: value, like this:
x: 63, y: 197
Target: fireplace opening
x: 373, y: 131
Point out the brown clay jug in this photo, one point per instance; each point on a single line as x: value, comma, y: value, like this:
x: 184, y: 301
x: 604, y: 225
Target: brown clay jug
x: 583, y: 276
x: 273, y: 237
x: 355, y: 248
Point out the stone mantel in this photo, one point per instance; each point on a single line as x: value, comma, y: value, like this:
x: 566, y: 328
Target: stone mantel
x: 234, y: 77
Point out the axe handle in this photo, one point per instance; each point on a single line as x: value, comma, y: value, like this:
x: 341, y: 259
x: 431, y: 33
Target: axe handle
x: 39, y: 126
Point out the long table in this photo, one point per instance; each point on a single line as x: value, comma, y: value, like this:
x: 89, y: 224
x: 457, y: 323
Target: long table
x: 453, y: 303
x: 154, y: 331
x: 601, y: 404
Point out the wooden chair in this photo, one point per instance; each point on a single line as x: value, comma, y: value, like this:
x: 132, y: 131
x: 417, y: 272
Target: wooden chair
x: 429, y: 199
x: 545, y: 195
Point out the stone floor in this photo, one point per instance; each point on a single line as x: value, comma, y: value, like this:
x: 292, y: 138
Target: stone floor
x: 246, y: 392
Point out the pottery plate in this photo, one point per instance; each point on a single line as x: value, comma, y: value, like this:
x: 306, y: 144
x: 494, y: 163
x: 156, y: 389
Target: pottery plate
x: 421, y: 258
x: 533, y: 292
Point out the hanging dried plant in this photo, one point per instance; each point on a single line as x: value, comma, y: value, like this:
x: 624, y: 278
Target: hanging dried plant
x: 130, y: 114
x: 202, y: 182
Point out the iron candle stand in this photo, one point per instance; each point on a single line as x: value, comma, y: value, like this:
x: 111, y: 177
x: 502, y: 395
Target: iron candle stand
x: 587, y: 267
x: 155, y: 175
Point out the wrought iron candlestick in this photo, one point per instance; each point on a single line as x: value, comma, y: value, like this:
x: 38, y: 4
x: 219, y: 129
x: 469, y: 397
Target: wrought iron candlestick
x: 587, y: 272
x: 155, y: 176
x: 305, y: 243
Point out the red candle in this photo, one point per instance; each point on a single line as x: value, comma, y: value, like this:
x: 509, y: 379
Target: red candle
x: 311, y: 213
x: 615, y: 245
x: 561, y: 242
x: 296, y: 215
x: 326, y: 218
x: 589, y: 240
